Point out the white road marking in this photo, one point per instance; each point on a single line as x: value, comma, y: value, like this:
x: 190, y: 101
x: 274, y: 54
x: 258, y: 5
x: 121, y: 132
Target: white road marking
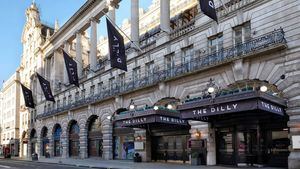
x: 4, y: 166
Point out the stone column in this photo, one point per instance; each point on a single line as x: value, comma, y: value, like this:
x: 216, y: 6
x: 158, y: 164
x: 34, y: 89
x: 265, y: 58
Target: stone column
x: 83, y: 143
x: 64, y: 142
x: 39, y: 149
x: 135, y: 23
x: 165, y: 15
x: 107, y: 140
x: 93, y: 41
x: 29, y: 149
x: 51, y: 147
x: 66, y: 49
x: 79, y: 53
x: 112, y: 12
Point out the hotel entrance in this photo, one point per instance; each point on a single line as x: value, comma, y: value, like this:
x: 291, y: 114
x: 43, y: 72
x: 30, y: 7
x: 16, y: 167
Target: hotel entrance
x: 259, y: 144
x: 250, y: 127
x: 172, y: 147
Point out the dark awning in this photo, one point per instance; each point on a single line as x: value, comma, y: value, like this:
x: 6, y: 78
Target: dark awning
x: 204, y: 109
x: 149, y: 117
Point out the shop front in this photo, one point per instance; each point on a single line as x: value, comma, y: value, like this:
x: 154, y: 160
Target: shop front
x: 123, y: 143
x: 250, y: 127
x: 159, y: 135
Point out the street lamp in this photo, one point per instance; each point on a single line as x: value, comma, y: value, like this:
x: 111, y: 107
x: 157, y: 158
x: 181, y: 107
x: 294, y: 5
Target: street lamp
x: 169, y: 106
x: 131, y: 105
x: 155, y: 107
x: 211, y: 86
x: 263, y: 88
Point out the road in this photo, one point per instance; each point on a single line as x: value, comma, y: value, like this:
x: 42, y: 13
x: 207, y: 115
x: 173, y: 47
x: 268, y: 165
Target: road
x: 13, y: 164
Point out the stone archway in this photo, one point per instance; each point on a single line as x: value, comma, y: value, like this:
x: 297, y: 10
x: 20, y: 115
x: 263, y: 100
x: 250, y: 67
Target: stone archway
x: 44, y: 142
x: 74, y: 143
x: 94, y: 137
x: 57, y: 146
x: 33, y: 142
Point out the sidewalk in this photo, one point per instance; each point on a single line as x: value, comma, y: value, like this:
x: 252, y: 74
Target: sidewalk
x: 120, y: 164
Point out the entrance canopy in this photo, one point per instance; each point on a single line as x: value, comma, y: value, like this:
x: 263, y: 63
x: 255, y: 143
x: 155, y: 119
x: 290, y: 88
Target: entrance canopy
x: 205, y: 109
x: 149, y: 118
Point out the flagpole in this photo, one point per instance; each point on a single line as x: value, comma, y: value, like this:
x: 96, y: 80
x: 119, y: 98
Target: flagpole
x: 122, y: 31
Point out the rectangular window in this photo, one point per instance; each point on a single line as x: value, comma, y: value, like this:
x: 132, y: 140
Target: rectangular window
x: 215, y: 43
x: 69, y: 99
x: 112, y: 83
x: 92, y: 90
x: 149, y: 70
x: 58, y: 103
x: 136, y: 74
x: 169, y: 63
x: 187, y: 56
x: 77, y: 96
x: 64, y: 101
x: 82, y: 94
x: 242, y: 33
x: 122, y: 80
x: 100, y: 87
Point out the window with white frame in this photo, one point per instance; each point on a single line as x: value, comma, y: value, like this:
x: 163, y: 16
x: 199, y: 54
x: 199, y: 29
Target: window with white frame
x: 215, y: 43
x: 111, y: 82
x: 242, y: 33
x: 122, y: 80
x: 92, y: 90
x: 136, y: 73
x: 169, y: 62
x: 187, y: 56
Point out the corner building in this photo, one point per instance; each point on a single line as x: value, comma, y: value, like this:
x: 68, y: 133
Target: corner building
x: 160, y: 108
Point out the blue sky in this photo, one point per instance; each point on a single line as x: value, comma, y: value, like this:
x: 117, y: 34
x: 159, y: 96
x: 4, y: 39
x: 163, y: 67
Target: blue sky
x: 12, y: 17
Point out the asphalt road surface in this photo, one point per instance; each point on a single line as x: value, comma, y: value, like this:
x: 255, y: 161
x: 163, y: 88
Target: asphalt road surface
x: 13, y: 164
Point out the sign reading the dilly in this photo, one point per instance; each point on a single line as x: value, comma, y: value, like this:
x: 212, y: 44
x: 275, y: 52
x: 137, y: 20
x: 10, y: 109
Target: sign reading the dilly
x: 150, y: 119
x: 270, y: 107
x: 203, y: 112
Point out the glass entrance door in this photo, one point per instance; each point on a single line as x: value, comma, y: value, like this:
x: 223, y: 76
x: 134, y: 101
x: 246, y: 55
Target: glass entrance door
x: 170, y: 148
x: 247, y: 147
x: 225, y: 146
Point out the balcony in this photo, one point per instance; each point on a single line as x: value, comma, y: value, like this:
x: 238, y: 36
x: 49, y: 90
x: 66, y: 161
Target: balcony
x: 268, y: 42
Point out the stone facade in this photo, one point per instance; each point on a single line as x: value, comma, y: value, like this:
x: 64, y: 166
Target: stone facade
x: 104, y: 90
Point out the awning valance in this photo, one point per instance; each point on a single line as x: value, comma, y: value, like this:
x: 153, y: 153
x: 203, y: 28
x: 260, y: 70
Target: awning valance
x: 144, y: 118
x: 204, y: 109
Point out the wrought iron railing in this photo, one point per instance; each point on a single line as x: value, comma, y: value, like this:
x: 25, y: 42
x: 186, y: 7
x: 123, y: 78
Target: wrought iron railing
x: 160, y: 73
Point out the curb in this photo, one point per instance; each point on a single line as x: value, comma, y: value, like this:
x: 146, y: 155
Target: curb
x: 65, y: 164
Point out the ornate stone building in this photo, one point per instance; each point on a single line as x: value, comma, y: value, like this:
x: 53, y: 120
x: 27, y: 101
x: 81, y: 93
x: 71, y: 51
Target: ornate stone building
x: 162, y: 108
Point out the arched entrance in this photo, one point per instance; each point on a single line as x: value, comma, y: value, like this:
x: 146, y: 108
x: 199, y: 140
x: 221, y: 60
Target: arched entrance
x: 45, y: 142
x: 95, y: 146
x: 33, y: 141
x: 74, y: 139
x: 56, y: 139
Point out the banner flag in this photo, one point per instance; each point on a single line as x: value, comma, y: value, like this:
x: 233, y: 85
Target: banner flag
x: 116, y: 47
x: 208, y: 8
x: 71, y: 67
x: 45, y: 85
x: 27, y: 93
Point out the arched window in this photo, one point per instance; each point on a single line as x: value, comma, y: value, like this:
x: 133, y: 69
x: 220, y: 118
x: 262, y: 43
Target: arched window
x: 56, y: 138
x: 74, y: 139
x: 95, y: 146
